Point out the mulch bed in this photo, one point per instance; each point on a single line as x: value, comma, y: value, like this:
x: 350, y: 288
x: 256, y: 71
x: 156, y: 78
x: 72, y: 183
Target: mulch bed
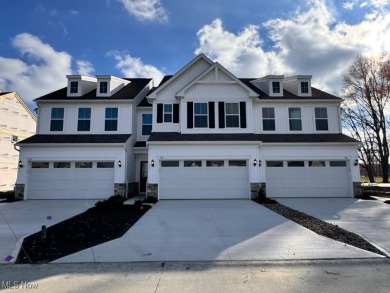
x: 318, y: 226
x: 93, y: 227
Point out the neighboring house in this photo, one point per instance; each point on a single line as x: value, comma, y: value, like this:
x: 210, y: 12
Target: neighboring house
x: 202, y: 133
x: 17, y: 122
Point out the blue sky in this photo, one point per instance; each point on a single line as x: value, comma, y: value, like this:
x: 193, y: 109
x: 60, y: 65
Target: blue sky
x: 41, y: 41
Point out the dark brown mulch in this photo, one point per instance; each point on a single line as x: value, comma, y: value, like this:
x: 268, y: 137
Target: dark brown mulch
x: 93, y: 227
x: 318, y: 226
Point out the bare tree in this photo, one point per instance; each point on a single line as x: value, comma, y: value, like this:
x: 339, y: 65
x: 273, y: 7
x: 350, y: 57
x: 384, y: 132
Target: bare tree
x: 366, y: 90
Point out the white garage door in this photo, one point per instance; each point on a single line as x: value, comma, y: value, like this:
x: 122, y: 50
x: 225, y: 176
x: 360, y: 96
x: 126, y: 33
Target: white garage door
x: 207, y: 179
x: 71, y: 180
x: 317, y: 178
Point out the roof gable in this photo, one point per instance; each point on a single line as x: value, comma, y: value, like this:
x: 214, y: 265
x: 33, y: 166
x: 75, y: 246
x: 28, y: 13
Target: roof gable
x: 217, y: 75
x: 186, y: 74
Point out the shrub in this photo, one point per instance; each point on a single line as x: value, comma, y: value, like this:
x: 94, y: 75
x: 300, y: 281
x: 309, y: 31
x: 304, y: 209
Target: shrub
x: 113, y: 202
x: 137, y: 204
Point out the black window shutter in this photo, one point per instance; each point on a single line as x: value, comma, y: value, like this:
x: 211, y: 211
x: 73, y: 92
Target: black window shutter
x: 242, y: 114
x: 190, y: 115
x: 221, y: 113
x: 159, y: 113
x: 211, y: 115
x: 175, y: 113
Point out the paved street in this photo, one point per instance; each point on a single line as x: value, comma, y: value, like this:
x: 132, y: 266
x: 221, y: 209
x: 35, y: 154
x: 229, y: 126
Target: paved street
x: 353, y: 275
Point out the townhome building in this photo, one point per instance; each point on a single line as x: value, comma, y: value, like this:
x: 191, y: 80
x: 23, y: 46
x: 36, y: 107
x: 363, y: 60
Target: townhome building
x: 202, y: 133
x: 17, y: 122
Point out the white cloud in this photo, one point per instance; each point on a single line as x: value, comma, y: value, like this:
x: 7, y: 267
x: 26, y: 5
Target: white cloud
x: 41, y: 71
x: 85, y: 67
x: 146, y: 10
x: 134, y: 67
x: 309, y: 42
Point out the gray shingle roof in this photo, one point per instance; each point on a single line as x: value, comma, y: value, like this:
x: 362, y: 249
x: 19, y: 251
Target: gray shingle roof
x: 266, y: 138
x: 76, y: 138
x: 128, y: 92
x: 140, y: 144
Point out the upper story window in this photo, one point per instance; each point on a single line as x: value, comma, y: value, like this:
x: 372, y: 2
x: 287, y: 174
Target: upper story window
x: 74, y: 87
x: 268, y: 119
x: 200, y: 115
x: 232, y: 115
x: 147, y: 122
x: 321, y: 116
x: 84, y: 122
x: 276, y: 87
x: 168, y: 112
x: 304, y: 87
x: 103, y: 88
x: 57, y: 119
x: 295, y: 120
x: 111, y: 122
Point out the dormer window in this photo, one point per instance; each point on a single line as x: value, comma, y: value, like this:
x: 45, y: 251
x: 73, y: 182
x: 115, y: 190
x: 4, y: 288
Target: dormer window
x: 74, y: 87
x: 103, y: 87
x: 276, y: 87
x: 304, y: 87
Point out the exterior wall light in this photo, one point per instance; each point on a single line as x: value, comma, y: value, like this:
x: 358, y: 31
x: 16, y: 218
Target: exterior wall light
x: 259, y: 163
x: 254, y: 162
x: 20, y: 164
x: 152, y: 163
x: 356, y: 162
x: 120, y: 163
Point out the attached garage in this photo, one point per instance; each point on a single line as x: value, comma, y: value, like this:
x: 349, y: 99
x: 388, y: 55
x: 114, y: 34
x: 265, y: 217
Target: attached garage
x: 313, y: 178
x: 71, y: 180
x: 203, y: 179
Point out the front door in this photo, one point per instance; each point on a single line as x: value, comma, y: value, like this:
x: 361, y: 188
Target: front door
x: 143, y: 176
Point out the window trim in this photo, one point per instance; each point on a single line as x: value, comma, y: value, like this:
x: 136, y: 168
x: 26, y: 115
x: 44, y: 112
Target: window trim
x: 167, y: 113
x: 111, y: 118
x: 268, y: 118
x: 321, y: 118
x: 84, y: 119
x: 146, y: 124
x: 57, y: 119
x: 206, y: 115
x: 290, y: 118
x: 74, y: 87
x: 238, y: 115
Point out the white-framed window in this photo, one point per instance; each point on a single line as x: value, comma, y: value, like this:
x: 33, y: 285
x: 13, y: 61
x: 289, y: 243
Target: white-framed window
x: 295, y: 120
x: 268, y: 119
x: 74, y: 87
x: 304, y: 87
x: 200, y: 115
x: 111, y: 122
x: 276, y: 87
x: 168, y: 113
x: 147, y: 122
x: 321, y: 117
x: 57, y: 119
x: 103, y: 87
x: 84, y: 119
x: 232, y: 115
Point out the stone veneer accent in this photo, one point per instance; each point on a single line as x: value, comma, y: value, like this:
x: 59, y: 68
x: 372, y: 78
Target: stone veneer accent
x: 256, y: 188
x: 120, y: 189
x: 357, y: 189
x: 19, y: 191
x: 152, y: 190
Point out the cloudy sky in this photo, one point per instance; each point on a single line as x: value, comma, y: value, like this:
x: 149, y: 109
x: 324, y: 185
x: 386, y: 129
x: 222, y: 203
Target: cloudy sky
x: 41, y: 41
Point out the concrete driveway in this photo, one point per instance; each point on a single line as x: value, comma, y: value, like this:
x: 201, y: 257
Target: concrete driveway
x: 207, y: 230
x: 23, y: 218
x: 367, y: 218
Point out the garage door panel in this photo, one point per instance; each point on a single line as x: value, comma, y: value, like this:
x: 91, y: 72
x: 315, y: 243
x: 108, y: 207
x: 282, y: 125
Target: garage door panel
x: 203, y: 182
x: 70, y: 183
x: 316, y: 181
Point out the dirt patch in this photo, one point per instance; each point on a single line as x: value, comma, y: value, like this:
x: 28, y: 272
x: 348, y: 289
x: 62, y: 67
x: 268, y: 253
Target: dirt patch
x: 95, y: 226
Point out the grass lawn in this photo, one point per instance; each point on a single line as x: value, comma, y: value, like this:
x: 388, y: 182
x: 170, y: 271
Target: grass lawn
x: 364, y: 179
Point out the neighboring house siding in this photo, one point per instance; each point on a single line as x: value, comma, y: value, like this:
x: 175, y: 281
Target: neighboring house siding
x: 15, y: 120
